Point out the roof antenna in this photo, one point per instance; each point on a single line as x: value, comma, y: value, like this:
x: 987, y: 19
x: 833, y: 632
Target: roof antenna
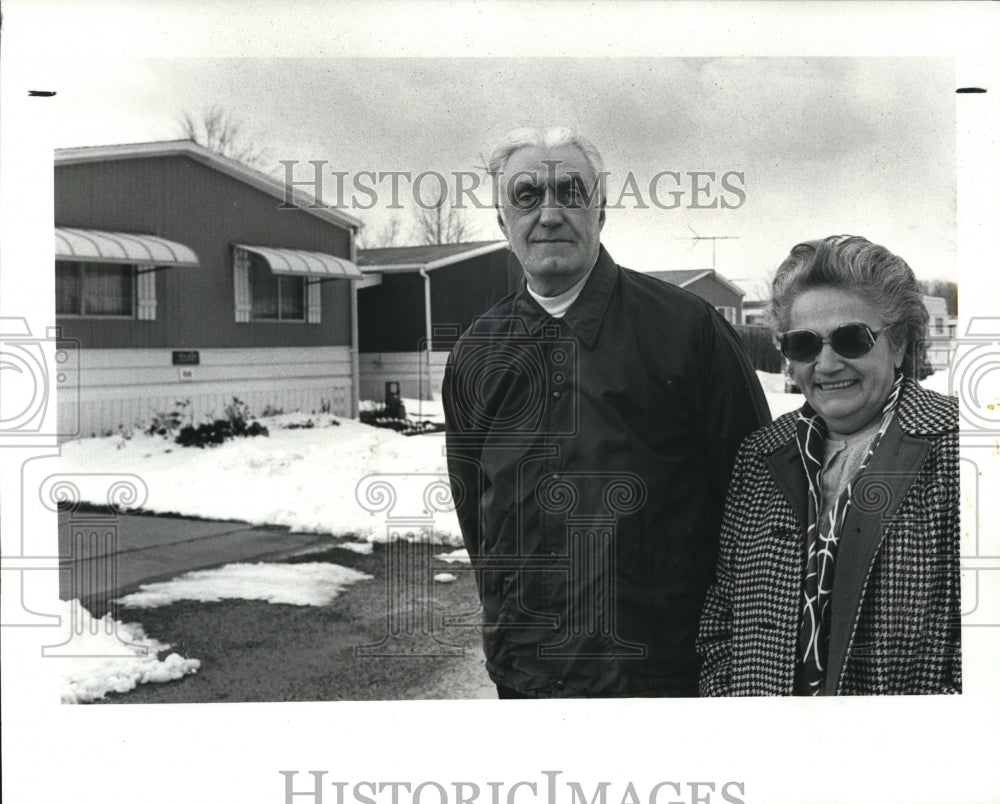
x: 697, y: 237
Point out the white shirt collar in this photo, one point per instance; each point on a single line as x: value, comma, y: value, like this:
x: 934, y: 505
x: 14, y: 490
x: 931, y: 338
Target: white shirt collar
x: 556, y: 306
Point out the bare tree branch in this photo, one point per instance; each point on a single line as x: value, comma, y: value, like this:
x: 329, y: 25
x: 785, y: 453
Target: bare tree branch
x: 441, y: 223
x: 390, y: 233
x: 219, y: 130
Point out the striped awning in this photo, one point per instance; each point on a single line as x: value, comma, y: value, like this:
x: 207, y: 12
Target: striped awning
x: 295, y: 262
x: 94, y: 245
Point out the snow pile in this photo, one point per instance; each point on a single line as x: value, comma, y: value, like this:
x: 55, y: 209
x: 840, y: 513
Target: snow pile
x: 364, y: 548
x: 771, y: 383
x: 461, y: 556
x: 306, y: 479
x: 939, y: 381
x: 115, y: 657
x: 294, y: 584
x: 774, y: 391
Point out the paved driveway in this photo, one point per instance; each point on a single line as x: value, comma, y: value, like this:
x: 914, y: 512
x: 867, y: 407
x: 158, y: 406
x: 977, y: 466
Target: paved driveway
x: 107, y: 556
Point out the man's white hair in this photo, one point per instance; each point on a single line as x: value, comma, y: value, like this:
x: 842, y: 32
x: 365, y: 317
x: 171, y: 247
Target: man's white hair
x: 539, y: 137
x: 545, y: 137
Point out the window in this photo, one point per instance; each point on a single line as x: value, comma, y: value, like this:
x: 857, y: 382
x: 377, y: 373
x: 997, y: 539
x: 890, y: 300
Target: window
x: 275, y: 297
x: 95, y: 289
x: 264, y: 293
x: 729, y: 313
x: 939, y: 326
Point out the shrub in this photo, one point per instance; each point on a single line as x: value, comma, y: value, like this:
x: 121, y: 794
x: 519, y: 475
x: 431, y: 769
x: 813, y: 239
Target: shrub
x: 238, y: 421
x: 167, y: 424
x: 379, y: 417
x: 308, y: 424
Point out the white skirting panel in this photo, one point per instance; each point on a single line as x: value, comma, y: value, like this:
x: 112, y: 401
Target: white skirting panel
x: 118, y: 389
x: 419, y: 374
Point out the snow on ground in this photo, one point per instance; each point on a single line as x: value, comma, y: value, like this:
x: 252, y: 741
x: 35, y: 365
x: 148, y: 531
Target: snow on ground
x: 771, y: 383
x: 422, y: 410
x: 939, y: 381
x: 461, y: 556
x: 111, y: 656
x: 294, y: 584
x: 307, y: 478
x: 774, y: 391
x: 364, y: 548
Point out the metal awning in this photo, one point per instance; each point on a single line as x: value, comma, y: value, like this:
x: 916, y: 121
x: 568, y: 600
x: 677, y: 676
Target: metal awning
x: 295, y: 262
x: 94, y: 245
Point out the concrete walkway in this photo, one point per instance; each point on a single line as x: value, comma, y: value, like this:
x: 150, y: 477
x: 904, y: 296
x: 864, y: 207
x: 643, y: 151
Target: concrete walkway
x: 108, y: 556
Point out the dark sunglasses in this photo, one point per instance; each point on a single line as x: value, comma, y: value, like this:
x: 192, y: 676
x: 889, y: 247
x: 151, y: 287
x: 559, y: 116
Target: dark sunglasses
x: 847, y: 340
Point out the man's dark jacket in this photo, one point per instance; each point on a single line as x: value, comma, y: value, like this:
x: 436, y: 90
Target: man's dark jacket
x: 589, y: 459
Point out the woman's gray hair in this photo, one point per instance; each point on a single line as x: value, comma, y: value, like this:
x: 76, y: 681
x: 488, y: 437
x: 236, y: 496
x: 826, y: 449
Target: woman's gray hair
x: 873, y: 272
x: 545, y: 137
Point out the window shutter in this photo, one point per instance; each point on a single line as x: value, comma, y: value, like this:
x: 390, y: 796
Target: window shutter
x: 241, y: 283
x: 728, y: 313
x: 145, y: 287
x: 313, y: 302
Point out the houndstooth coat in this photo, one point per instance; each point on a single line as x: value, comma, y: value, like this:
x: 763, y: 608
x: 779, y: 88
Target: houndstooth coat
x: 896, y: 595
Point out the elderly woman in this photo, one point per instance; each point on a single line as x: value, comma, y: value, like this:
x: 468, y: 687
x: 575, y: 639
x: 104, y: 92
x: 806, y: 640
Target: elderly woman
x: 838, y: 566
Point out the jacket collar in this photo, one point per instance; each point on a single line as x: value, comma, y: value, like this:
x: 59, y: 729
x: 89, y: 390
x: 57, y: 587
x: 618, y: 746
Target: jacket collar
x: 785, y: 465
x: 919, y: 413
x: 585, y: 315
x: 923, y: 412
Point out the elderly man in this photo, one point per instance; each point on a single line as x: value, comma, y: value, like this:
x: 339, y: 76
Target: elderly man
x: 593, y: 417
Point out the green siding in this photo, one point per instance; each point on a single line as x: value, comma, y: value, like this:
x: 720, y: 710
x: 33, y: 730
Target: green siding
x: 181, y: 199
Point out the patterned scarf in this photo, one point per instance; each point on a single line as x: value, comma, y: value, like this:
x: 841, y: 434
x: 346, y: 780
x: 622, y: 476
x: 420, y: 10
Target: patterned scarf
x: 822, y: 537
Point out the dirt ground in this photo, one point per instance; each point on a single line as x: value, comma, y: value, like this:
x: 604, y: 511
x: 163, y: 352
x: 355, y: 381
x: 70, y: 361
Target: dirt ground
x: 346, y: 650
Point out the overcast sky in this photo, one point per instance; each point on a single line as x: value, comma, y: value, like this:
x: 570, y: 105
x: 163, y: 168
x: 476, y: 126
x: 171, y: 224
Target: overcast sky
x: 821, y: 145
